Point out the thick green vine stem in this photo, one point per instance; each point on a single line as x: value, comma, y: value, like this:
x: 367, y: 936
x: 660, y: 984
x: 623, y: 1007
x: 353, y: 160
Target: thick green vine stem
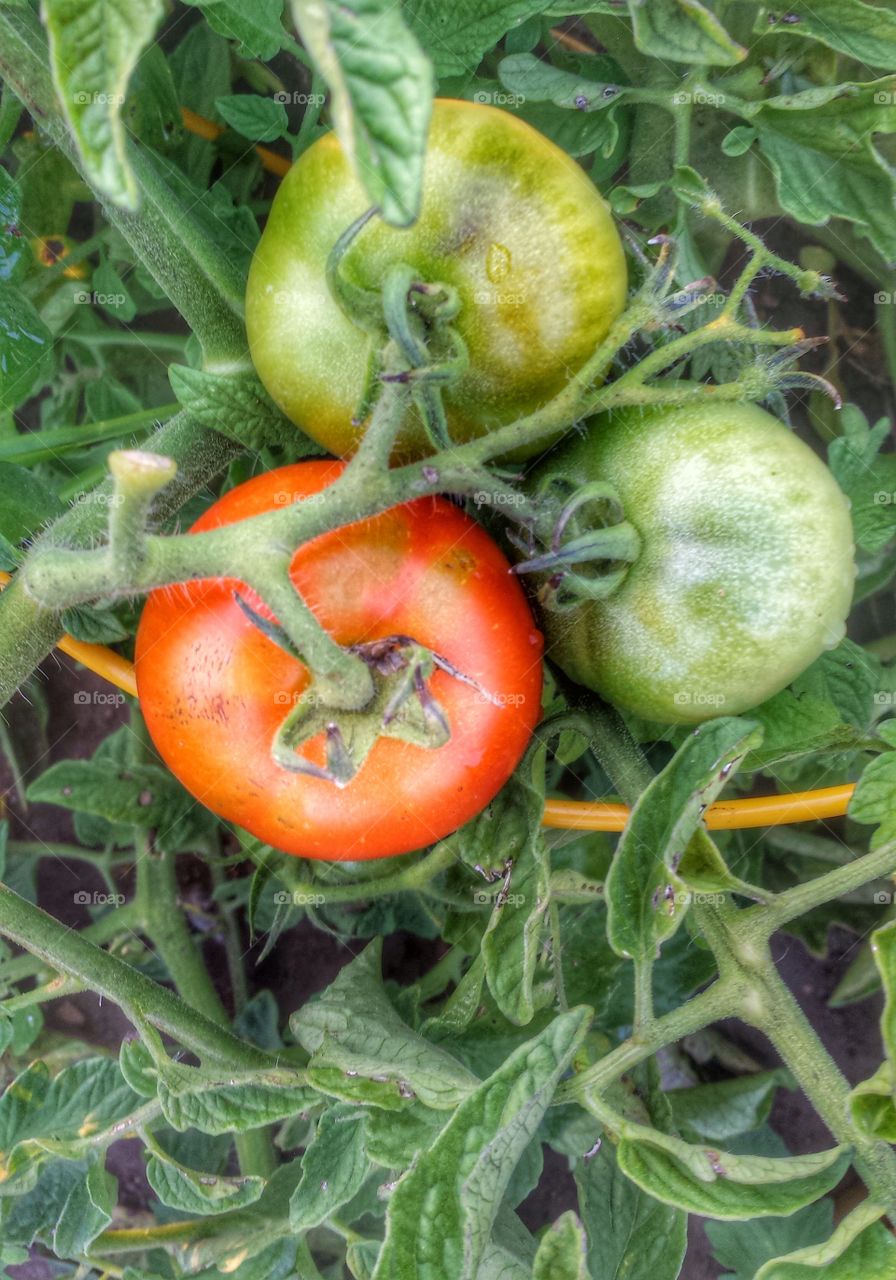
x: 748, y: 982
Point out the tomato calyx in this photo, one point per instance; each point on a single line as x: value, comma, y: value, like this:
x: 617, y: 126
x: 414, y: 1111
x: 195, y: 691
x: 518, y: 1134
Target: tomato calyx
x: 402, y: 707
x: 586, y: 544
x: 412, y: 339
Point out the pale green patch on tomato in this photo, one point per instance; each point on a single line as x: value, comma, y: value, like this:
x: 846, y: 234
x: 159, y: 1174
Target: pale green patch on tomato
x: 746, y: 571
x: 507, y: 219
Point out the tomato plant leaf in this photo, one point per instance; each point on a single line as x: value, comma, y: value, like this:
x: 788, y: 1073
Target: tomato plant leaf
x: 561, y: 1251
x: 193, y: 1192
x: 142, y: 795
x: 351, y: 1026
x: 334, y: 1167
x: 722, y: 1109
x: 513, y: 936
x: 94, y: 47
x: 860, y: 1249
x: 382, y: 86
x: 442, y: 1210
x: 257, y: 118
x: 719, y: 1184
x: 862, y: 31
x: 866, y: 476
x: 631, y: 1236
x: 742, y: 1247
x: 26, y: 348
x: 457, y: 35
x: 87, y: 1211
x: 26, y: 504
x: 237, y: 405
x: 645, y: 897
x: 257, y: 27
x: 682, y: 31
x: 874, y: 799
x: 821, y: 145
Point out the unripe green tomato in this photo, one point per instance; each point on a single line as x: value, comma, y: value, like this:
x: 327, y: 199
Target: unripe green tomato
x: 746, y: 569
x: 508, y: 220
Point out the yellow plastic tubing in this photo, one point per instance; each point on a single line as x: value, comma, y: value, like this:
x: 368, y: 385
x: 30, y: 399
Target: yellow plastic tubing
x: 568, y: 815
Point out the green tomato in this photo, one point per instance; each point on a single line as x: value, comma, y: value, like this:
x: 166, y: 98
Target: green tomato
x: 507, y: 219
x: 746, y: 568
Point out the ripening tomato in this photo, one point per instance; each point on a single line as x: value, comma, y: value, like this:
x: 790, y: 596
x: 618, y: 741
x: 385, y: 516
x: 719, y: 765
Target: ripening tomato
x: 746, y: 569
x: 214, y: 689
x: 508, y: 220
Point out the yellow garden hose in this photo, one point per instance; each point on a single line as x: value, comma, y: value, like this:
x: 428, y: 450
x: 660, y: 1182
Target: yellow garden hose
x: 569, y: 815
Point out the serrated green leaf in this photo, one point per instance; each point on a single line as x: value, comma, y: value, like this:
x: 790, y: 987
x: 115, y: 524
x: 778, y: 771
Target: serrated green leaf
x: 718, y: 1184
x: 866, y: 476
x: 257, y: 27
x: 847, y: 677
x: 94, y: 47
x: 334, y: 1167
x: 141, y: 795
x: 860, y: 1249
x: 646, y: 900
x: 537, y: 81
x: 821, y: 145
x: 720, y: 1110
x: 382, y: 86
x: 192, y: 1192
x: 87, y: 1211
x: 351, y: 1026
x: 237, y: 405
x: 682, y: 31
x: 631, y: 1236
x: 874, y: 800
x: 393, y: 1138
x: 26, y: 348
x: 457, y: 36
x: 257, y: 118
x: 742, y: 1247
x: 861, y: 31
x: 26, y: 504
x: 561, y: 1251
x: 441, y: 1212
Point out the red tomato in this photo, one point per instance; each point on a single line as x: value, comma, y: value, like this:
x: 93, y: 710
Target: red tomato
x: 214, y: 689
